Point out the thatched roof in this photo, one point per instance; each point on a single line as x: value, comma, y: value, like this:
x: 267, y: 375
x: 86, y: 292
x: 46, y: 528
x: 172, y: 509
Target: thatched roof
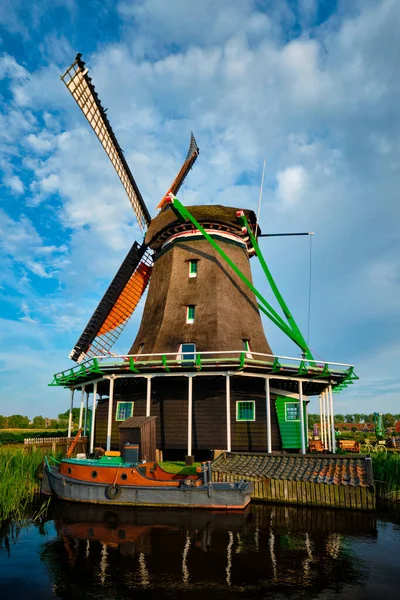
x: 224, y: 215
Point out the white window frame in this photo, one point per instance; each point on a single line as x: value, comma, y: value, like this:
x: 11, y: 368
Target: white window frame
x: 292, y: 420
x: 123, y: 402
x: 237, y: 411
x: 193, y: 262
x: 190, y: 320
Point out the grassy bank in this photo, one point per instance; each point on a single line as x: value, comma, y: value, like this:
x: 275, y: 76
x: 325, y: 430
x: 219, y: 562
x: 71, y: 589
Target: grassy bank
x: 18, y: 483
x: 179, y: 467
x: 387, y: 475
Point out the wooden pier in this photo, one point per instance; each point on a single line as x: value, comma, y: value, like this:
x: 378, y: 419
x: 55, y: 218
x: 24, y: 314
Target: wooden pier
x: 332, y: 481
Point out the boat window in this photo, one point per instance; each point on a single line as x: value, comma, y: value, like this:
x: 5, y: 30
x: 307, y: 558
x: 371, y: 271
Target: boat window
x: 190, y: 311
x: 292, y: 411
x: 124, y: 411
x: 246, y: 410
x: 192, y: 268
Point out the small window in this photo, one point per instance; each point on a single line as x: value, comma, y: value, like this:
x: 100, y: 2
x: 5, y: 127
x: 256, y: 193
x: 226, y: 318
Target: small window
x: 186, y: 352
x: 292, y: 411
x: 192, y: 268
x: 246, y: 411
x: 190, y: 310
x: 246, y: 345
x: 124, y: 411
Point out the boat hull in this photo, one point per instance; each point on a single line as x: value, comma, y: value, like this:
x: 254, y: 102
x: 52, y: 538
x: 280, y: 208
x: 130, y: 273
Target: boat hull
x: 215, y: 496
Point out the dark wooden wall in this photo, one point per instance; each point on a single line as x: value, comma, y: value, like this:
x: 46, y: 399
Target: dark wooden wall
x: 169, y: 403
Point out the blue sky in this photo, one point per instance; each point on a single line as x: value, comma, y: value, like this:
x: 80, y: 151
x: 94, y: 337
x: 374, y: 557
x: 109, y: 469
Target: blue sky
x: 312, y: 86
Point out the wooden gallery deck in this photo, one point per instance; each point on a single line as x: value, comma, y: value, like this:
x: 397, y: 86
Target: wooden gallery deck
x: 309, y: 480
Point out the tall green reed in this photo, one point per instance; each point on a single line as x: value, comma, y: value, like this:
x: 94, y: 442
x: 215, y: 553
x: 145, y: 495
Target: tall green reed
x: 387, y: 475
x: 18, y: 483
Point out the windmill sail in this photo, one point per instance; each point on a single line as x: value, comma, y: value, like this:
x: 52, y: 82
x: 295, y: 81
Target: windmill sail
x: 116, y: 306
x: 190, y: 159
x: 80, y: 85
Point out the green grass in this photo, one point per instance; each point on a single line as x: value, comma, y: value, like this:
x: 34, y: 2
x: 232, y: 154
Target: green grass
x: 18, y: 483
x: 387, y: 475
x: 179, y: 467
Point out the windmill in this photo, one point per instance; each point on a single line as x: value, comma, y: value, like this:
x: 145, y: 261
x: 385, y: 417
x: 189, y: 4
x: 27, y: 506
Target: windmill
x: 201, y: 319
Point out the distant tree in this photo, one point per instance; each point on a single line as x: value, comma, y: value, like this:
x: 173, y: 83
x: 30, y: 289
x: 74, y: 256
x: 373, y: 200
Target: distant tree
x: 18, y: 422
x: 354, y: 429
x: 348, y: 418
x: 312, y: 419
x: 356, y: 418
x: 388, y: 420
x: 75, y: 414
x: 339, y: 418
x: 3, y: 422
x: 54, y: 424
x: 363, y: 418
x: 39, y: 422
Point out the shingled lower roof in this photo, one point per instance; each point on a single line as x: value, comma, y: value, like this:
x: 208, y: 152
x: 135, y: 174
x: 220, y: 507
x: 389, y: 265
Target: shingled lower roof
x: 332, y: 469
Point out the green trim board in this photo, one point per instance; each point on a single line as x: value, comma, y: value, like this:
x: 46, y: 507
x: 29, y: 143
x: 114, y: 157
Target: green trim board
x: 290, y: 429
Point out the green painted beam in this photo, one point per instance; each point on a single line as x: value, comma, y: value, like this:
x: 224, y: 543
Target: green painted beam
x: 298, y: 336
x: 265, y: 307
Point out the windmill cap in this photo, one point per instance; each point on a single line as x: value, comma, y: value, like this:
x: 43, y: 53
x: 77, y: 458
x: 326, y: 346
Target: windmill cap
x: 166, y: 223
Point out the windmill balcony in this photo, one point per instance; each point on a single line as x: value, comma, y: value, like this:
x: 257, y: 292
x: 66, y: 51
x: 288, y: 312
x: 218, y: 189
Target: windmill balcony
x: 284, y: 369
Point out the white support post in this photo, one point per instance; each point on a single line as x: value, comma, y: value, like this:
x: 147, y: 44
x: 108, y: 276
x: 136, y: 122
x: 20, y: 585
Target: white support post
x: 321, y: 434
x: 110, y: 412
x: 70, y: 414
x: 86, y: 414
x: 303, y: 442
x: 91, y: 449
x: 332, y: 421
x: 323, y: 421
x: 328, y: 421
x: 190, y: 412
x: 148, y: 397
x: 268, y: 414
x: 228, y: 414
x: 81, y: 408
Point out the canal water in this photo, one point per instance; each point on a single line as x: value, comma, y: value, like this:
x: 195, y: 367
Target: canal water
x: 91, y: 552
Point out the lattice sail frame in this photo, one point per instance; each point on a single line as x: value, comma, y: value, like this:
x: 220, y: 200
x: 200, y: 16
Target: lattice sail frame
x: 190, y: 159
x: 83, y: 91
x: 116, y: 306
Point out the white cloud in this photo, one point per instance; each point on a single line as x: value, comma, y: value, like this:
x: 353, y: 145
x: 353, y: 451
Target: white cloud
x: 15, y: 184
x: 292, y: 183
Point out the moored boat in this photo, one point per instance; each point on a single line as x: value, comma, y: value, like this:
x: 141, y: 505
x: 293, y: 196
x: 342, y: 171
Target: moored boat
x: 112, y: 480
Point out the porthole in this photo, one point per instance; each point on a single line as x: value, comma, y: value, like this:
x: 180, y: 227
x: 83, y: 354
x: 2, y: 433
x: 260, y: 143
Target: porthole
x: 124, y: 476
x: 93, y: 474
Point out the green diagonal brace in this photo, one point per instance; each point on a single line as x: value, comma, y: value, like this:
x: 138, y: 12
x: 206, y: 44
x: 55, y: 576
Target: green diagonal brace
x: 299, y: 339
x: 267, y: 309
x: 132, y: 365
x: 164, y: 362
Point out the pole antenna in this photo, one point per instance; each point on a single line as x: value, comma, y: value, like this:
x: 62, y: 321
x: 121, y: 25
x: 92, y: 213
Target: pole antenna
x: 260, y: 198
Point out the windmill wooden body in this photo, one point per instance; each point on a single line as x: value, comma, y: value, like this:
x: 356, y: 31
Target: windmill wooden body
x: 200, y: 361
